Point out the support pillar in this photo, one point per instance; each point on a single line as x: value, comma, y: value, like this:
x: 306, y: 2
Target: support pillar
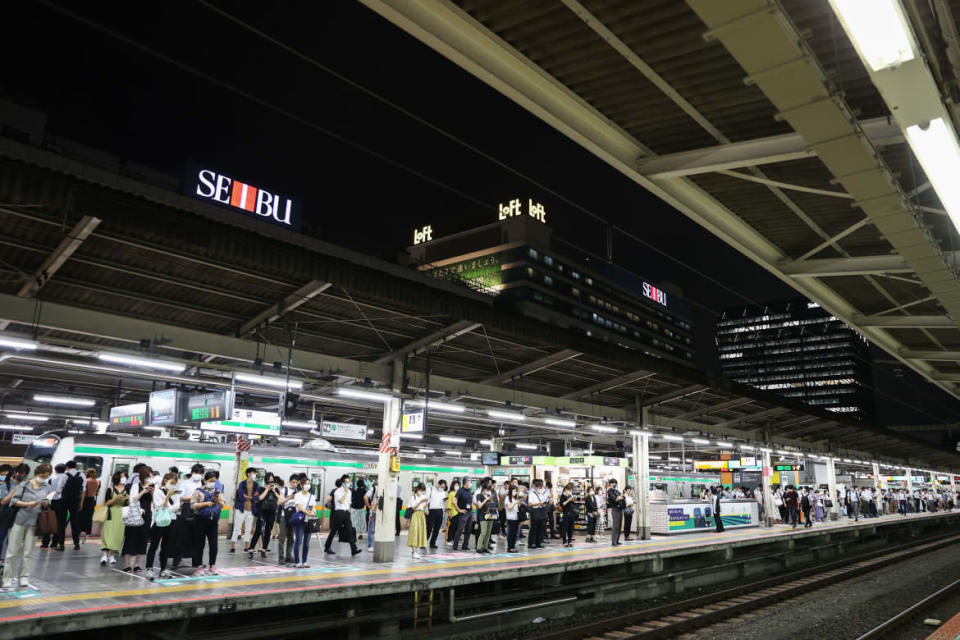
x: 767, y: 487
x: 384, y: 539
x: 878, y: 489
x: 953, y: 489
x: 641, y: 473
x: 909, y: 485
x: 832, y: 487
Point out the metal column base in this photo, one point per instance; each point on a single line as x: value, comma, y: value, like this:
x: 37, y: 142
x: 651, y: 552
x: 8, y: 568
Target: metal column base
x: 644, y: 533
x: 383, y: 551
x: 834, y: 515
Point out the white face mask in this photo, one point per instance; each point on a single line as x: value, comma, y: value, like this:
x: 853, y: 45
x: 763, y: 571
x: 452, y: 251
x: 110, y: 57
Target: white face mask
x: 211, y: 485
x: 306, y: 486
x: 171, y: 486
x: 196, y: 477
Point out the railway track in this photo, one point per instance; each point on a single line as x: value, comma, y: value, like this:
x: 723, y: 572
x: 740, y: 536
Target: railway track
x: 890, y: 627
x: 684, y: 616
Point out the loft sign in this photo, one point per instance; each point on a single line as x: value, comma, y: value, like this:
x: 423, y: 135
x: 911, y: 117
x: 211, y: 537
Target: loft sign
x: 229, y: 192
x: 514, y: 208
x: 423, y: 235
x: 655, y: 294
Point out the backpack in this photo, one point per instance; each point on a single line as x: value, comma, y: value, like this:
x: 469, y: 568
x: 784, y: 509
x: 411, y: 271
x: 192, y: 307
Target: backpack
x: 72, y: 488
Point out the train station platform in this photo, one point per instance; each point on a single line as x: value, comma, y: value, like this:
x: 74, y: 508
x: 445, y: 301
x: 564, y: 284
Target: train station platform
x: 74, y: 593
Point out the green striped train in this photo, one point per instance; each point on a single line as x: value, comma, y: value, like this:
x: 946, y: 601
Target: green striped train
x: 109, y: 453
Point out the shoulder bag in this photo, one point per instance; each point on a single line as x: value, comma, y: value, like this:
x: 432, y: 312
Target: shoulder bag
x: 47, y: 523
x: 132, y: 515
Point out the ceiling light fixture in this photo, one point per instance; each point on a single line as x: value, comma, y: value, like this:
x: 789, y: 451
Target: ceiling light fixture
x: 506, y: 415
x: 453, y: 453
x: 29, y: 417
x: 635, y: 432
x: 721, y: 443
x: 557, y: 422
x: 604, y: 429
x: 15, y: 427
x: 699, y: 441
x: 79, y: 402
x: 528, y: 447
x: 23, y: 345
x: 452, y: 439
x: 298, y: 424
x: 149, y: 363
x: 441, y: 406
x: 878, y: 29
x: 268, y: 381
x: 667, y: 436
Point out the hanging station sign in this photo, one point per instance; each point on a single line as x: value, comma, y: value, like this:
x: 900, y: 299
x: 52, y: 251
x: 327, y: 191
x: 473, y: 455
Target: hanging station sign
x: 412, y: 422
x: 250, y: 421
x: 343, y: 430
x: 128, y: 415
x: 226, y: 191
x: 164, y: 407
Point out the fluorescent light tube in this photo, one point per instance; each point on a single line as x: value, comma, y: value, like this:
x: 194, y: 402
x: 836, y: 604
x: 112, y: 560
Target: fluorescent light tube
x: 451, y: 439
x: 80, y: 402
x: 673, y: 459
x: 653, y: 457
x: 634, y: 432
x: 603, y: 428
x: 288, y: 439
x: 528, y: 447
x: 441, y: 406
x: 29, y: 417
x: 298, y: 424
x: 154, y: 428
x: 149, y: 363
x: 411, y: 436
x: 721, y: 443
x: 699, y: 441
x: 556, y: 422
x: 25, y: 345
x: 15, y: 427
x: 878, y: 30
x: 268, y: 381
x: 427, y: 450
x: 95, y: 423
x: 506, y: 415
x: 359, y: 394
x: 486, y: 442
x: 747, y: 447
x: 453, y: 453
x: 667, y: 436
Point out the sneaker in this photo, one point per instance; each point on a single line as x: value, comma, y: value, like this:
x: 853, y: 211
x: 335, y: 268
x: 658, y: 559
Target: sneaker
x: 112, y: 560
x: 8, y: 588
x: 103, y: 562
x: 249, y: 555
x: 165, y: 574
x: 263, y: 554
x: 304, y: 565
x: 199, y: 572
x: 212, y: 570
x: 416, y: 556
x: 329, y: 551
x: 76, y: 547
x: 232, y: 550
x: 356, y: 551
x: 149, y: 574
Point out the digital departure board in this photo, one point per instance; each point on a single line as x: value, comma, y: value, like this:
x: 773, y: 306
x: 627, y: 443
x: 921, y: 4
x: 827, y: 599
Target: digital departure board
x: 216, y: 405
x: 129, y: 415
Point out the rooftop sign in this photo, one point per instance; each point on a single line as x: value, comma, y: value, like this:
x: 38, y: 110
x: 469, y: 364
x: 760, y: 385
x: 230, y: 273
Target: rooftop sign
x: 202, y: 182
x: 515, y: 208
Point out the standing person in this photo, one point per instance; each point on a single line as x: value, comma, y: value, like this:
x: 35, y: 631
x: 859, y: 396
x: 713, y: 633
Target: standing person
x: 90, y: 491
x: 306, y: 510
x: 464, y: 501
x: 372, y: 501
x: 164, y: 513
x: 867, y: 504
x: 288, y: 508
x: 717, y: 518
x: 268, y: 499
x: 207, y: 503
x: 817, y: 500
x: 417, y: 533
x: 853, y: 499
x: 111, y: 534
x: 358, y: 512
x: 16, y: 476
x: 758, y: 496
x: 340, y: 518
x: 56, y: 504
x: 135, y: 535
x: 71, y: 503
x: 511, y: 507
x: 778, y: 502
x: 615, y: 503
x: 453, y: 515
x: 437, y: 502
x: 805, y: 506
x: 593, y: 512
x: 791, y: 499
x: 551, y: 508
x: 488, y: 513
x: 399, y: 508
x: 628, y: 511
x: 185, y: 527
x: 246, y: 506
x: 902, y: 502
x: 537, y: 503
x: 568, y: 511
x: 28, y: 499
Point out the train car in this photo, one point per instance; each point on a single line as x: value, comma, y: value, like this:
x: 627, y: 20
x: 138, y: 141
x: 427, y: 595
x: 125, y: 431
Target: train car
x: 110, y: 453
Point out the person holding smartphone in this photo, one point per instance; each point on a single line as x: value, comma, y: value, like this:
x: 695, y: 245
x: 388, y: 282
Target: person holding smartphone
x: 207, y: 504
x: 166, y: 497
x: 269, y: 501
x: 29, y: 499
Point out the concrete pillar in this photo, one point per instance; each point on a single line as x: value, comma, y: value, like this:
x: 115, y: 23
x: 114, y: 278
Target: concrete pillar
x: 834, y: 511
x: 909, y: 484
x: 641, y: 474
x: 877, y: 488
x: 767, y: 487
x: 384, y: 538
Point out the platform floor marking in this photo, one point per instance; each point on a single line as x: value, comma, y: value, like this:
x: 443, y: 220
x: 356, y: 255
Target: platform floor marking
x: 307, y: 575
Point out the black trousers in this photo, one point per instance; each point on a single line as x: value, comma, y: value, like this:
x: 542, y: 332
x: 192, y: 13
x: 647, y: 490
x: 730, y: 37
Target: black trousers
x: 806, y: 517
x: 159, y: 538
x: 264, y: 529
x: 512, y: 527
x: 591, y: 525
x: 434, y: 525
x: 627, y: 521
x: 538, y: 529
x: 62, y: 509
x: 719, y: 521
x: 206, y: 534
x: 566, y: 527
x: 452, y: 529
x: 462, y: 534
x: 551, y: 522
x: 340, y: 526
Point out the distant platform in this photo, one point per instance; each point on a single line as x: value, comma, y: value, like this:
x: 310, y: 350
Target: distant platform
x: 73, y: 592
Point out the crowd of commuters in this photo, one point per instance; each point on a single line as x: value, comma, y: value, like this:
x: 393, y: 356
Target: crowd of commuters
x: 154, y: 521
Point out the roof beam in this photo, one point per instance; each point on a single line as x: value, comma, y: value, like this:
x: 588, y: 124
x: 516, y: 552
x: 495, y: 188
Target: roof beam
x: 942, y: 356
x: 672, y: 395
x: 951, y: 426
x: 854, y: 266
x: 439, y: 336
x: 766, y: 413
x: 905, y: 322
x: 539, y: 364
x: 608, y: 385
x: 947, y: 377
x: 284, y: 306
x: 751, y: 153
x: 706, y: 410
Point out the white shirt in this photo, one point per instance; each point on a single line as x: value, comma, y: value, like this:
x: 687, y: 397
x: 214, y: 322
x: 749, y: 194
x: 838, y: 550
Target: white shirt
x: 537, y: 497
x: 188, y: 487
x: 629, y: 501
x: 160, y: 500
x: 57, y: 485
x: 417, y: 498
x: 306, y: 502
x: 852, y: 496
x: 867, y: 494
x: 341, y: 498
x: 512, y: 508
x: 438, y: 498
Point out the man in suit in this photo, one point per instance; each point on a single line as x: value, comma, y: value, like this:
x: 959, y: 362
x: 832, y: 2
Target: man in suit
x: 615, y: 502
x: 716, y: 509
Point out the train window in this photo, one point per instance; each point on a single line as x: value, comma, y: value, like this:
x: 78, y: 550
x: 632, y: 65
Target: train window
x: 183, y: 467
x: 41, y: 450
x: 89, y: 462
x: 123, y: 465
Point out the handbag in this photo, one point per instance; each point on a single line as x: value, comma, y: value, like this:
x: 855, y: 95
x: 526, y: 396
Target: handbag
x: 47, y: 523
x: 297, y: 517
x: 162, y: 517
x: 100, y: 514
x: 828, y: 503
x: 132, y: 516
x: 313, y: 525
x: 628, y: 511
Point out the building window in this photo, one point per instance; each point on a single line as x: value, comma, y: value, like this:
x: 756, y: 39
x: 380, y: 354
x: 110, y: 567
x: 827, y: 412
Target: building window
x: 547, y: 260
x: 547, y: 280
x: 574, y: 291
x: 588, y: 280
x: 530, y: 272
x: 534, y: 254
x: 575, y: 275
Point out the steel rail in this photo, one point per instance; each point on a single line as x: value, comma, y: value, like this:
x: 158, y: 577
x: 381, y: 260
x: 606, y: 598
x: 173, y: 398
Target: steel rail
x: 884, y: 629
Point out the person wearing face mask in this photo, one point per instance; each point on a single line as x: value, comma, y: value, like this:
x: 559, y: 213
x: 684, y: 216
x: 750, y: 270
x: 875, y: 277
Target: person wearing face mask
x: 306, y: 509
x: 486, y: 515
x: 511, y: 507
x: 111, y: 535
x: 568, y: 509
x: 628, y: 511
x: 340, y: 518
x: 593, y: 511
x: 615, y: 503
x: 417, y: 534
x: 438, y: 498
x: 453, y: 514
x: 246, y: 507
x: 269, y: 499
x: 15, y: 477
x: 186, y: 531
x: 165, y: 501
x: 207, y: 504
x: 28, y: 499
x: 464, y: 501
x: 288, y: 508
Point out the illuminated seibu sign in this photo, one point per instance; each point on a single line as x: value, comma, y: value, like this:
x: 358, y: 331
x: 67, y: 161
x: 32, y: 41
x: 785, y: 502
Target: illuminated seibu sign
x: 423, y: 235
x: 514, y: 208
x: 657, y: 295
x: 230, y: 192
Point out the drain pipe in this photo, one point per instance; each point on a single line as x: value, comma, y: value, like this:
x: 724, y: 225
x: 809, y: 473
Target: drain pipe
x: 499, y: 612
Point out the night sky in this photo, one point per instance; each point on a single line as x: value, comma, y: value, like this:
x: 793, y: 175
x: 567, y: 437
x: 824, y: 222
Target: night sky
x: 106, y: 93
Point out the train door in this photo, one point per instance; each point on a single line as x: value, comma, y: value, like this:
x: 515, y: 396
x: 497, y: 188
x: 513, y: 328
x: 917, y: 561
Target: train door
x: 429, y: 479
x: 123, y: 465
x: 318, y: 489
